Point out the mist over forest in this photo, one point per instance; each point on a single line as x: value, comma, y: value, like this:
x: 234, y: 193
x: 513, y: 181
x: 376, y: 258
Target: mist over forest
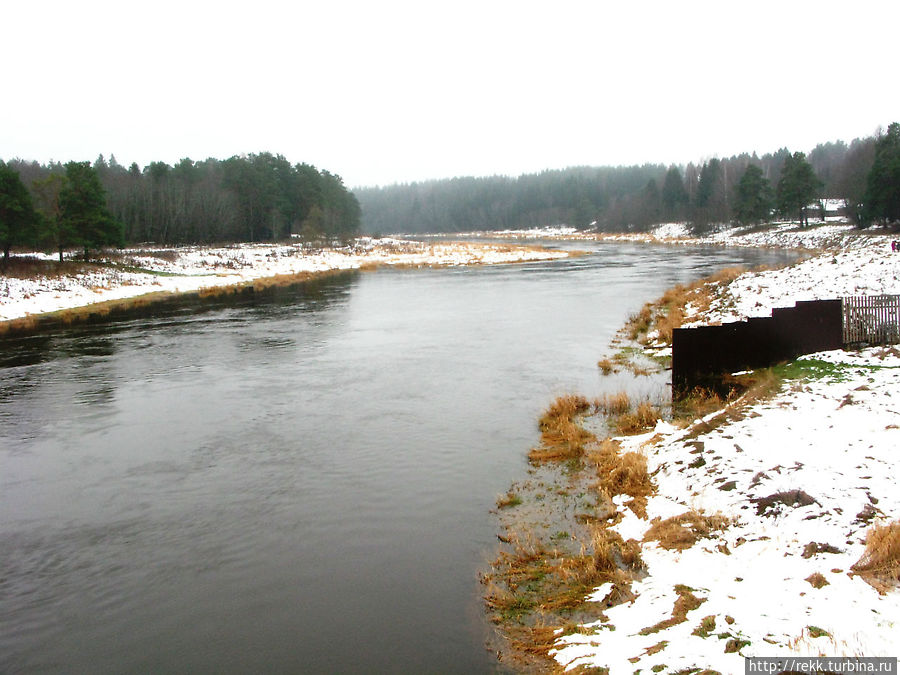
x: 632, y: 197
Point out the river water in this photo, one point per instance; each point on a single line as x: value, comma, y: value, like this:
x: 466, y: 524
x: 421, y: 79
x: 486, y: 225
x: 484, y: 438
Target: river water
x: 294, y: 481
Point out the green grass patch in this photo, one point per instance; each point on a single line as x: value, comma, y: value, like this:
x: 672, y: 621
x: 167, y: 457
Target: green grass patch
x: 817, y: 369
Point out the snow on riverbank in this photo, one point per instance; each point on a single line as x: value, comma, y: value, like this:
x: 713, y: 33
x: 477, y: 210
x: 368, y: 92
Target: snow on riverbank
x: 831, y: 236
x: 800, y: 478
x: 181, y: 270
x: 868, y: 270
x: 846, y: 263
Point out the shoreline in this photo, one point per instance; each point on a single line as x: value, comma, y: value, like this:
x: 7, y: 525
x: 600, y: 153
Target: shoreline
x: 832, y: 234
x: 762, y: 499
x: 137, y: 278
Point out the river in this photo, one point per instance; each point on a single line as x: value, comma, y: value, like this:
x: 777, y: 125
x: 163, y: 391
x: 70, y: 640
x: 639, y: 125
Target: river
x: 294, y: 481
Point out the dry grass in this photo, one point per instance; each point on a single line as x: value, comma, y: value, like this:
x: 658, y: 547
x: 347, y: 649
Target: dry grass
x: 607, y: 366
x: 880, y: 563
x: 562, y: 437
x: 532, y: 579
x: 686, y: 602
x: 26, y: 324
x: 26, y: 267
x: 563, y: 410
x: 535, y: 584
x: 700, y: 402
x: 640, y: 419
x: 681, y: 532
x: 638, y: 325
x: 613, y: 404
x: 761, y: 385
x: 623, y: 474
x: 614, y: 554
x: 669, y: 311
x: 816, y: 580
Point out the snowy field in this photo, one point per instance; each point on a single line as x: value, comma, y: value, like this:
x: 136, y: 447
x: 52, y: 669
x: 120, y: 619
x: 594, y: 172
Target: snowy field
x: 800, y: 479
x: 181, y: 270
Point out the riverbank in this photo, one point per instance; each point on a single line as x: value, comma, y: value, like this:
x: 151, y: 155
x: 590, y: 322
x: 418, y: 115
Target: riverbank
x: 833, y: 234
x: 36, y: 285
x: 761, y: 536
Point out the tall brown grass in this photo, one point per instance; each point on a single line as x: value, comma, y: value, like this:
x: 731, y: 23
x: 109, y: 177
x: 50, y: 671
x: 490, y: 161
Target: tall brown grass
x: 561, y: 435
x: 623, y: 474
x: 613, y: 404
x: 643, y: 417
x: 880, y: 562
x: 669, y: 311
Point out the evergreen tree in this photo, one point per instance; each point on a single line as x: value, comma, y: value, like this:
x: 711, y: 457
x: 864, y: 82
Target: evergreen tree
x: 882, y: 197
x: 17, y: 215
x: 650, y: 199
x: 47, y: 191
x: 674, y: 195
x: 754, y: 197
x: 710, y: 202
x: 86, y: 221
x: 797, y: 187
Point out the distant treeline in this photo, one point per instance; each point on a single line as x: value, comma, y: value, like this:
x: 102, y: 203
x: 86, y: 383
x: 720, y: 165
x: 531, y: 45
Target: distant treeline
x: 255, y: 197
x: 637, y: 197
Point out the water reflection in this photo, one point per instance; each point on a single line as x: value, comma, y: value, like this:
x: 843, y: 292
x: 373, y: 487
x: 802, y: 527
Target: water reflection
x: 98, y: 338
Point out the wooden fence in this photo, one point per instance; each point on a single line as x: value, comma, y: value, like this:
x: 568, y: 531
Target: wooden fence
x: 873, y: 320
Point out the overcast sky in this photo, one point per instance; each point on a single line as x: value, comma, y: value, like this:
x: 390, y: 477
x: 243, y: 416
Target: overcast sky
x: 385, y: 91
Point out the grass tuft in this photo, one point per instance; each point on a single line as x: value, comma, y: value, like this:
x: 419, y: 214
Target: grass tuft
x: 681, y: 532
x: 613, y: 404
x: 640, y: 419
x: 562, y: 437
x: 508, y: 500
x: 817, y: 580
x: 880, y: 562
x: 607, y: 366
x: 623, y: 474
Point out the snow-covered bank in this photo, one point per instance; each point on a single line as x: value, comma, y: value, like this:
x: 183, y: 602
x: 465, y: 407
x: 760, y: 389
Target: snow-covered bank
x: 818, y: 237
x: 834, y: 234
x: 847, y: 263
x: 800, y: 479
x: 183, y: 270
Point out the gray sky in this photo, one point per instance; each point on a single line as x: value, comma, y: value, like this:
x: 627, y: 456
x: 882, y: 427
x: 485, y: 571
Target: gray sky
x: 395, y: 91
